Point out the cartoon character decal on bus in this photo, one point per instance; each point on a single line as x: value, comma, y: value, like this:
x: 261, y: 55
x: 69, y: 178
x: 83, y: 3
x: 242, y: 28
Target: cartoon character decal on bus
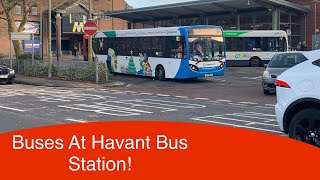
x: 145, y: 68
x: 112, y: 58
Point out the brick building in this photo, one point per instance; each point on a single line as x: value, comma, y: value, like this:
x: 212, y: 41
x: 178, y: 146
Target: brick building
x: 73, y: 14
x: 310, y: 22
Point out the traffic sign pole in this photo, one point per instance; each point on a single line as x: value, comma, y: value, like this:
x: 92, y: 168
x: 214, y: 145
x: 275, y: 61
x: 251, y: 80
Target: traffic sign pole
x: 90, y: 38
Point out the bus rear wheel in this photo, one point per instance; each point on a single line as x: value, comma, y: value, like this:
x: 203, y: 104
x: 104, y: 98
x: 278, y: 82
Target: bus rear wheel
x: 160, y: 73
x: 255, y: 62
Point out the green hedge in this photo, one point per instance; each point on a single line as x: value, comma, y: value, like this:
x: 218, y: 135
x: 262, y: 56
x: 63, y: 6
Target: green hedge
x: 87, y: 73
x: 29, y: 56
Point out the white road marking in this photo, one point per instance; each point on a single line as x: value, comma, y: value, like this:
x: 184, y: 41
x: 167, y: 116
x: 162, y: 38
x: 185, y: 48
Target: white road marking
x: 118, y: 93
x: 217, y: 102
x: 12, y: 109
x: 183, y: 97
x: 134, y: 104
x: 129, y: 91
x: 75, y: 120
x: 273, y: 105
x: 163, y: 95
x: 149, y: 94
x: 248, y: 116
x: 172, y: 103
x: 253, y: 78
x: 238, y: 126
x: 221, y: 100
x: 236, y: 104
x: 109, y: 110
x: 259, y: 114
x: 204, y: 99
x: 250, y: 103
x: 238, y: 120
x: 266, y: 107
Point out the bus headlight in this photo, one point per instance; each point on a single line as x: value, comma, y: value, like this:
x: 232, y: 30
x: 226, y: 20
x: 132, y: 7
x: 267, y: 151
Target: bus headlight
x: 222, y: 65
x: 194, y: 68
x: 266, y: 74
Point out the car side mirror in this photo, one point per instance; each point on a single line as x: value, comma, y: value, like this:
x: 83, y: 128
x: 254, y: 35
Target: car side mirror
x: 265, y: 65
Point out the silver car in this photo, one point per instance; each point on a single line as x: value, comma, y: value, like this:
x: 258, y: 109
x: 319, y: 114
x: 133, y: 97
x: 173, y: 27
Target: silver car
x: 277, y: 65
x: 7, y: 75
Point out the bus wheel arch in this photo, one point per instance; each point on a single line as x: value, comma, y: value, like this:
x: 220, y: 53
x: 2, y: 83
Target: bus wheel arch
x: 255, y: 61
x: 160, y: 73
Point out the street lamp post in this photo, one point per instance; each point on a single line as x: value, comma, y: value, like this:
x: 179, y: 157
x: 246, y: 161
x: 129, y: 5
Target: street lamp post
x: 49, y: 43
x: 90, y: 37
x: 315, y: 16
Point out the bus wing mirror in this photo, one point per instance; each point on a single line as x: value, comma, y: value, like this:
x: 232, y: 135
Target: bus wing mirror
x: 265, y: 65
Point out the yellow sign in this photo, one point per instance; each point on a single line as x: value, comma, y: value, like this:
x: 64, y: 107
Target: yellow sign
x: 78, y: 27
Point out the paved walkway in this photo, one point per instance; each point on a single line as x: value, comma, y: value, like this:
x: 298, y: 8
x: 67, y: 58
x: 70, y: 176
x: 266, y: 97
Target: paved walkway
x: 60, y: 83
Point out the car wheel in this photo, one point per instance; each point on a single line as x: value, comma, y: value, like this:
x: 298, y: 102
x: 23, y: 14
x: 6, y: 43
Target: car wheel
x: 255, y: 62
x: 305, y: 126
x: 160, y: 73
x: 266, y: 92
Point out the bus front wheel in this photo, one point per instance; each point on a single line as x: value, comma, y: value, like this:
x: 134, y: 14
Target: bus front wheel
x: 255, y: 62
x: 160, y: 73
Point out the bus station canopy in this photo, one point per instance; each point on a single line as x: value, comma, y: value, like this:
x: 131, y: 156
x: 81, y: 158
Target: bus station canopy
x: 201, y: 8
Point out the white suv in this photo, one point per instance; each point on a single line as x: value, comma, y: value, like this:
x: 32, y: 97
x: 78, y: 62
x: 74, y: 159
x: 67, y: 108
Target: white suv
x: 298, y: 96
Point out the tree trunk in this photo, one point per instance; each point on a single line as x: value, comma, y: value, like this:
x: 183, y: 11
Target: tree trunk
x: 13, y: 28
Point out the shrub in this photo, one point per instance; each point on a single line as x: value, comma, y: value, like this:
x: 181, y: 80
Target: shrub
x: 2, y: 56
x: 29, y: 56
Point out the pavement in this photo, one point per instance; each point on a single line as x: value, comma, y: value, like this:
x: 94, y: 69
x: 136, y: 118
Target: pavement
x: 37, y: 81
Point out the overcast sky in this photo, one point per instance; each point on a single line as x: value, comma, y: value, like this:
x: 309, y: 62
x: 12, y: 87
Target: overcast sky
x: 146, y: 3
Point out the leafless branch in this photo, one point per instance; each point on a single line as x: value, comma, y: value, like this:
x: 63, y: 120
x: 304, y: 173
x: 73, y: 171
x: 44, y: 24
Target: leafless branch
x: 3, y: 18
x: 26, y: 10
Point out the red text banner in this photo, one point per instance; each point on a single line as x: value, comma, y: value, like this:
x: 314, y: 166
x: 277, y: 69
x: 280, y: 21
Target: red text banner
x: 153, y: 150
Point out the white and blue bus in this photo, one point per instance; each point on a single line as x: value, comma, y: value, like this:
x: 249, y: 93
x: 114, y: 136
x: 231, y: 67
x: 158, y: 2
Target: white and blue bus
x: 174, y: 52
x: 254, y: 47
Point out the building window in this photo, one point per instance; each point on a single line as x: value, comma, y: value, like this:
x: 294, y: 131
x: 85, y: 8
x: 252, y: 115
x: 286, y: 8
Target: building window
x: 18, y: 10
x: 34, y: 11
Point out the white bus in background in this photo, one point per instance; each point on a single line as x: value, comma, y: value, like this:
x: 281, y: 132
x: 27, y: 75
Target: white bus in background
x: 254, y: 47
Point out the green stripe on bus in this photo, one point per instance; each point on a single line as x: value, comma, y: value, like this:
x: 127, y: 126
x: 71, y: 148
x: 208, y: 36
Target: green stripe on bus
x: 110, y: 33
x: 234, y: 33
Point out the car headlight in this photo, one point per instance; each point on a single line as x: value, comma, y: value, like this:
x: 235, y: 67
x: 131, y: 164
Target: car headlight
x: 11, y: 71
x: 266, y: 74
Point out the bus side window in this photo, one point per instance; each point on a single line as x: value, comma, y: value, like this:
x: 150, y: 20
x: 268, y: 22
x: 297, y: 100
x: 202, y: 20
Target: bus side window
x: 144, y: 44
x: 131, y: 46
x: 172, y: 45
x: 121, y: 46
x: 110, y: 43
x: 157, y: 47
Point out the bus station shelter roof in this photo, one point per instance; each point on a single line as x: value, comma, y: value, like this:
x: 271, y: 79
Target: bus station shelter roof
x: 201, y: 8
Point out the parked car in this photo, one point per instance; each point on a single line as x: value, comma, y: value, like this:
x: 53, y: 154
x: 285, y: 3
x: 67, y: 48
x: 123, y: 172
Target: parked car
x: 298, y: 95
x: 7, y: 75
x: 277, y: 65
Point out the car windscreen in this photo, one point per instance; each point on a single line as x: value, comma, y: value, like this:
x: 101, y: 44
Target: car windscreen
x: 286, y: 60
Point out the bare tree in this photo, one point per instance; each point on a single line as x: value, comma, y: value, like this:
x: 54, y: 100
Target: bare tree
x: 6, y: 13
